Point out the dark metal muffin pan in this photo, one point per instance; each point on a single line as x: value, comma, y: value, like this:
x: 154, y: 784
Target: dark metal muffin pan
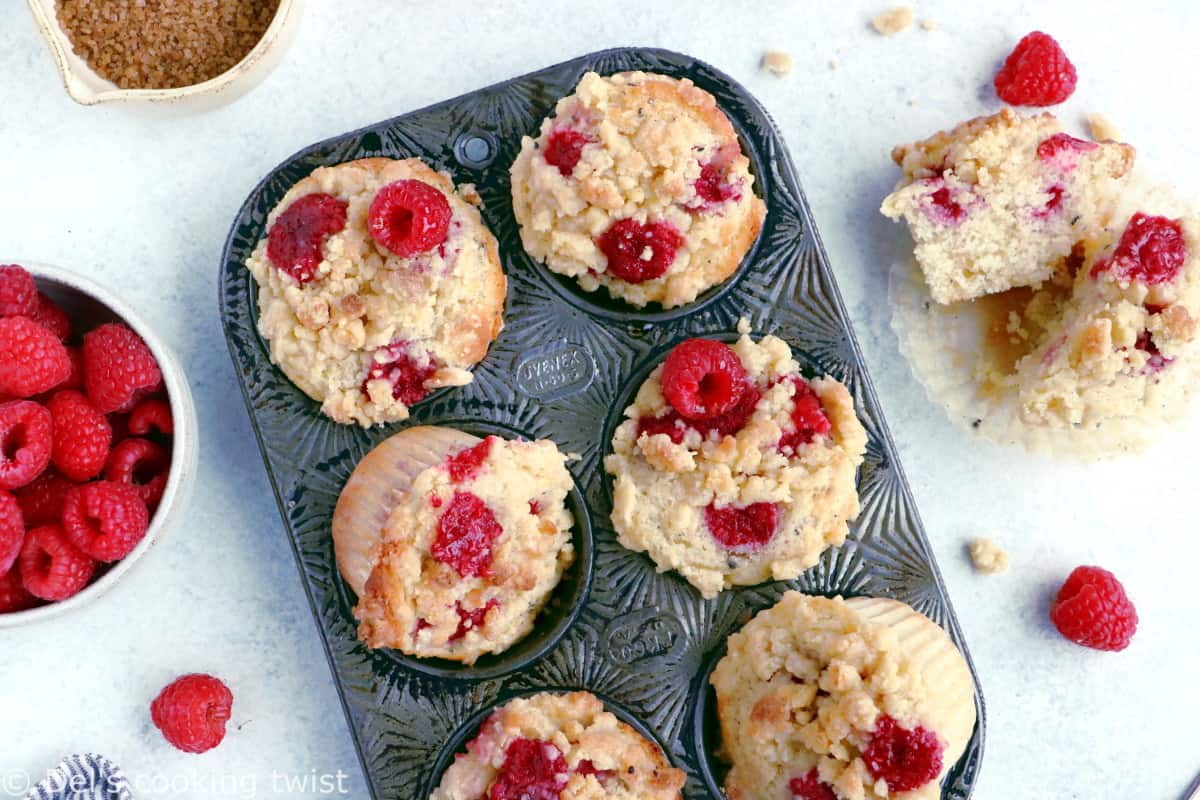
x: 563, y: 369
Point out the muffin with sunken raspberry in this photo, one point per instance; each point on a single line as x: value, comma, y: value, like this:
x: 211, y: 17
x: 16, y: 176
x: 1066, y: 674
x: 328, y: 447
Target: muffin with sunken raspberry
x: 637, y: 185
x: 732, y: 468
x: 1000, y: 201
x: 378, y: 283
x: 453, y: 544
x: 832, y: 699
x: 559, y: 745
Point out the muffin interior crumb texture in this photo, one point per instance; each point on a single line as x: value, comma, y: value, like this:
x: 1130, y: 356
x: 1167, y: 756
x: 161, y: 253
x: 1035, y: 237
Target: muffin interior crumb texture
x: 987, y: 556
x: 163, y: 44
x: 777, y: 62
x: 893, y: 21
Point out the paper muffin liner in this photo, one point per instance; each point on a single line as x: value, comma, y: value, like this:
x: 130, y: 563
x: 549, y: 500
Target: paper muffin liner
x: 942, y: 345
x: 929, y: 653
x: 378, y: 482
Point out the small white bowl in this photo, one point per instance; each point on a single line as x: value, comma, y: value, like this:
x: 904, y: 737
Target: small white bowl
x: 90, y: 305
x: 86, y: 87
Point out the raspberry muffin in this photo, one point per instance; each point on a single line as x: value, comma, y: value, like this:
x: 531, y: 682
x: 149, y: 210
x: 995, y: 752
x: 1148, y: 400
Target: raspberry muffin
x: 999, y: 201
x: 732, y: 468
x: 378, y: 283
x: 453, y: 544
x: 559, y: 745
x: 831, y: 699
x: 637, y: 184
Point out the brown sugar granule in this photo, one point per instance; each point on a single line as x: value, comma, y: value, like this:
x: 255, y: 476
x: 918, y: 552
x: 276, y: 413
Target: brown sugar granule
x: 163, y: 44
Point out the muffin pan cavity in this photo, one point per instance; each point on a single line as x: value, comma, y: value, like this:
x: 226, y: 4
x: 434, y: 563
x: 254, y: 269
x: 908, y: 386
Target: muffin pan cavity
x: 564, y: 368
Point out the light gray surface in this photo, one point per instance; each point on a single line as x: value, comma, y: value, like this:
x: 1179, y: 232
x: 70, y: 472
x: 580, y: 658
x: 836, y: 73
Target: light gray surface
x: 142, y: 204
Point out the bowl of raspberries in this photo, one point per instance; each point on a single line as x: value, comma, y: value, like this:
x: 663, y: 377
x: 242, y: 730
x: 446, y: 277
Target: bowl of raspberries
x: 97, y: 441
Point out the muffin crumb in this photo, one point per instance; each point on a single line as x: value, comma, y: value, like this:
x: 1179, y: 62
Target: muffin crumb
x: 987, y: 557
x: 834, y: 63
x: 928, y: 24
x: 1102, y: 128
x: 893, y: 21
x: 776, y: 62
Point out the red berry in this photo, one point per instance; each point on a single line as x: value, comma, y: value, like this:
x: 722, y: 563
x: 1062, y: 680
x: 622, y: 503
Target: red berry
x: 809, y: 787
x: 1093, y: 610
x: 1063, y: 150
x: 727, y: 424
x: 532, y: 770
x: 153, y: 414
x: 18, y: 292
x: 142, y: 464
x: 670, y: 424
x: 713, y: 187
x: 51, y: 567
x: 564, y: 147
x: 12, y: 531
x: 192, y: 712
x: 406, y: 375
x: 639, y: 251
x: 586, y: 767
x: 41, y: 500
x: 808, y: 417
x: 905, y: 759
x: 465, y: 533
x: 75, y: 376
x: 702, y: 378
x: 82, y: 436
x: 470, y: 620
x: 1151, y: 250
x: 940, y: 205
x: 51, y: 317
x: 296, y: 239
x: 744, y: 529
x: 32, y: 359
x: 409, y: 217
x: 105, y: 520
x: 465, y: 464
x: 26, y: 440
x: 119, y: 368
x: 1036, y: 73
x: 13, y: 596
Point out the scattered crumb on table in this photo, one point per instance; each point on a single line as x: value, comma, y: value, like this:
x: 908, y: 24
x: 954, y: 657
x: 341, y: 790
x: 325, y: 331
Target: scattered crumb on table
x: 776, y: 62
x: 893, y: 21
x: 834, y: 63
x: 1102, y: 128
x: 987, y: 556
x: 928, y: 24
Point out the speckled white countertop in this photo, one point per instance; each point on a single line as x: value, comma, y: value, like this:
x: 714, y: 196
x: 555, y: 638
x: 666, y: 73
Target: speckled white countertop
x: 143, y: 205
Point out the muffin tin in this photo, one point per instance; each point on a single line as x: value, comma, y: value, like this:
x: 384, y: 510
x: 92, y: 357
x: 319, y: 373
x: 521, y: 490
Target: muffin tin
x: 564, y: 368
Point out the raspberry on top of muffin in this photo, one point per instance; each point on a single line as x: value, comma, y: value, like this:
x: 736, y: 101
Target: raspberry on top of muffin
x: 732, y: 468
x: 637, y: 184
x: 378, y: 283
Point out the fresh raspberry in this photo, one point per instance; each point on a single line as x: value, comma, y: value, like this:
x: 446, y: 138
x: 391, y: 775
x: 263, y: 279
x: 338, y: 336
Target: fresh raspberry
x: 564, y: 148
x: 639, y: 251
x: 905, y: 759
x: 703, y: 378
x: 1036, y: 73
x: 297, y: 238
x: 465, y: 464
x: 32, y: 359
x: 106, y: 520
x: 13, y: 595
x: 74, y: 378
x: 82, y: 436
x: 1151, y: 250
x: 151, y: 415
x: 42, y: 500
x: 470, y: 620
x: 809, y: 787
x: 142, y: 464
x: 12, y: 531
x: 51, y: 317
x: 26, y: 440
x: 465, y: 533
x: 409, y: 217
x: 1156, y: 362
x: 713, y: 186
x: 51, y: 567
x: 403, y: 371
x: 940, y: 204
x: 18, y: 292
x: 1093, y: 610
x: 727, y: 424
x: 119, y: 368
x: 670, y: 424
x: 192, y: 711
x: 1062, y: 150
x: 745, y: 529
x: 808, y: 417
x: 532, y: 770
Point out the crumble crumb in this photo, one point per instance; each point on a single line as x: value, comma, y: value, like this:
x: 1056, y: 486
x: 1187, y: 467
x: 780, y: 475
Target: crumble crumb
x: 776, y: 62
x: 834, y: 63
x: 893, y: 21
x: 1102, y: 128
x: 987, y: 556
x: 928, y: 25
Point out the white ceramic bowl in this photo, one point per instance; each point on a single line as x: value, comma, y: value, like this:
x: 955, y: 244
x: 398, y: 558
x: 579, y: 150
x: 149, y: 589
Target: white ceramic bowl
x: 88, y: 88
x: 90, y: 305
